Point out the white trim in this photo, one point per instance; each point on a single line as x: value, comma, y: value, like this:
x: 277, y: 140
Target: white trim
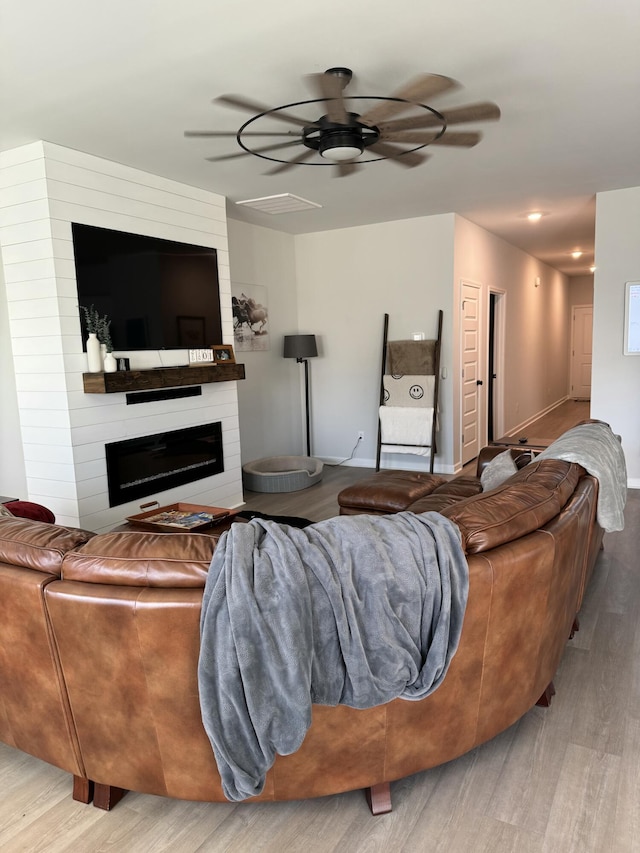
x: 630, y: 286
x: 500, y: 328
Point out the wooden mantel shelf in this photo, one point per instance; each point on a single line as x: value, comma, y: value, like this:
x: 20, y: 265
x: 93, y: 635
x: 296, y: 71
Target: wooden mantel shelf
x: 160, y: 377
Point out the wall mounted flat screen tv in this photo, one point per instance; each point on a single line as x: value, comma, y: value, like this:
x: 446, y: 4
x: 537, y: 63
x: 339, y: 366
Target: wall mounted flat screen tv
x: 158, y: 294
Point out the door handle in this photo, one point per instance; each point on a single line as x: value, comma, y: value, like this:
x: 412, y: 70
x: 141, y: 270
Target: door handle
x: 478, y: 381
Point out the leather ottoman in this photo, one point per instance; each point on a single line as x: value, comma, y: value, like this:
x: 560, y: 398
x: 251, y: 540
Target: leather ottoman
x: 387, y: 492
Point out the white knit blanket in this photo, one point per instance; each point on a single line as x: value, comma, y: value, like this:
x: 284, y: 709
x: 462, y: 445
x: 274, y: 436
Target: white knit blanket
x: 406, y: 425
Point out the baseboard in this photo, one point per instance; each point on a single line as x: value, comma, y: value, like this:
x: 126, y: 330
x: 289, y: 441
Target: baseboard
x: 347, y: 463
x: 420, y: 464
x: 633, y: 483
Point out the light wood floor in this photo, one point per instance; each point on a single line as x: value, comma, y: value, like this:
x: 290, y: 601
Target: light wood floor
x: 564, y: 779
x: 558, y: 420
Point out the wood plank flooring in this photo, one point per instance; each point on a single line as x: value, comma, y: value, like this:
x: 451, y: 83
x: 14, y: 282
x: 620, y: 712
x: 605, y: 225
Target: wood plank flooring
x: 557, y: 421
x: 563, y: 779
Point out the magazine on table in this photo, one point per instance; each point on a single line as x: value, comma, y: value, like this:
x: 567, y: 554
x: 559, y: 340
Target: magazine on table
x: 185, y: 519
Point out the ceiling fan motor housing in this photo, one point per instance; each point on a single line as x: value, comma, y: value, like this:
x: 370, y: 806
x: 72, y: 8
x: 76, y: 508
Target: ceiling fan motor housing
x: 339, y: 142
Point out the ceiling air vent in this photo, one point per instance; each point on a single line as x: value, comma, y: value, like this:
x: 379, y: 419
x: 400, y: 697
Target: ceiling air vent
x: 282, y: 203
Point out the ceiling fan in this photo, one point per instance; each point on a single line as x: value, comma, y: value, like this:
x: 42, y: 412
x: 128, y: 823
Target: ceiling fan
x: 340, y: 137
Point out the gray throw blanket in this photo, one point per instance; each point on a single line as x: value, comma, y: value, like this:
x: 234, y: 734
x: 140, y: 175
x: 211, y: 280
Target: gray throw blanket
x: 355, y: 610
x: 598, y: 450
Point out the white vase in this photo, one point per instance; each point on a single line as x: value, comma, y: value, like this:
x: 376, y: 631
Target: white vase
x: 110, y: 363
x: 103, y: 351
x: 94, y: 357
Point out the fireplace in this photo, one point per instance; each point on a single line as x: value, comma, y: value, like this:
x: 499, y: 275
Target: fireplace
x: 139, y: 467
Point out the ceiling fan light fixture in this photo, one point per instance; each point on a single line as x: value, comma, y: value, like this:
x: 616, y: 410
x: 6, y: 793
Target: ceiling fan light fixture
x: 341, y: 153
x: 341, y: 146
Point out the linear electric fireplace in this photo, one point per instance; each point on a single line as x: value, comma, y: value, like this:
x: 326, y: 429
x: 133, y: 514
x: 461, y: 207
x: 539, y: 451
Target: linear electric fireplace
x: 139, y: 467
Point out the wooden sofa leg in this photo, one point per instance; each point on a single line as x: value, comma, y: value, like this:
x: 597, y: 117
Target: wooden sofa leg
x: 574, y: 628
x: 379, y: 798
x: 107, y: 796
x: 545, y: 700
x: 82, y: 789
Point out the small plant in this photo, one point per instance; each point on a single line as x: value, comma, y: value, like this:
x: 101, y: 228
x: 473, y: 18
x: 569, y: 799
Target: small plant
x: 104, y: 333
x: 91, y: 319
x: 97, y: 325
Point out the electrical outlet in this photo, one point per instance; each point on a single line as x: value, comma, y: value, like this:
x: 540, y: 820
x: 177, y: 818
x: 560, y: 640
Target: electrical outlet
x: 361, y: 435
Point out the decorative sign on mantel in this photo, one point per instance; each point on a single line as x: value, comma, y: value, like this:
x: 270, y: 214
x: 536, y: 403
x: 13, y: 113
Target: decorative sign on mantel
x: 200, y: 356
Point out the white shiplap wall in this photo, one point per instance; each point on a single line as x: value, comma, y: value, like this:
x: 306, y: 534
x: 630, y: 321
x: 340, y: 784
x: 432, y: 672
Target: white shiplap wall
x: 43, y: 189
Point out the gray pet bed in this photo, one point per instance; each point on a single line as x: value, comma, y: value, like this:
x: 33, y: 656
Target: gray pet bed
x: 281, y: 473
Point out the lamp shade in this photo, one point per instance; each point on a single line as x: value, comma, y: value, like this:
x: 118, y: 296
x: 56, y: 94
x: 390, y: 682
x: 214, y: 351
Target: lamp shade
x: 300, y: 346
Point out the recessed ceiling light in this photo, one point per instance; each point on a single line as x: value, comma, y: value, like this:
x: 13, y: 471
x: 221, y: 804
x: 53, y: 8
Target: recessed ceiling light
x: 577, y: 254
x: 536, y: 216
x: 592, y: 269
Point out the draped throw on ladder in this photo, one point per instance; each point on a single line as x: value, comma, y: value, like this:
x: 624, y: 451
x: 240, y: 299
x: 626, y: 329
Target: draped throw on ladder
x: 408, y: 411
x: 404, y: 425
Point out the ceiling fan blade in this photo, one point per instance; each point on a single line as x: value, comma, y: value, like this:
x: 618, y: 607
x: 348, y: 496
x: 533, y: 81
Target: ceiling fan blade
x: 345, y: 169
x: 462, y: 139
x: 256, y: 107
x: 283, y: 167
x: 398, y: 155
x: 234, y: 133
x: 417, y: 137
x: 416, y: 91
x: 330, y: 88
x: 255, y: 151
x: 482, y: 111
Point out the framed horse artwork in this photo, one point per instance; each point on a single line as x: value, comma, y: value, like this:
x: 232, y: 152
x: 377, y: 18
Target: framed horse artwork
x: 250, y: 317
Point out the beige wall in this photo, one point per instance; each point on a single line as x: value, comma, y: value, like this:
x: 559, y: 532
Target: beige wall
x: 581, y: 290
x: 268, y: 402
x: 615, y: 389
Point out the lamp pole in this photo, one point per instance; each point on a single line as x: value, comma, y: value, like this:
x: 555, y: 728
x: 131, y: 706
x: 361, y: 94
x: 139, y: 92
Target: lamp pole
x: 306, y: 401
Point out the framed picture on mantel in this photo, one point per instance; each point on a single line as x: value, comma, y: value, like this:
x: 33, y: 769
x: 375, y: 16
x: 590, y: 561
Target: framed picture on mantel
x: 223, y: 354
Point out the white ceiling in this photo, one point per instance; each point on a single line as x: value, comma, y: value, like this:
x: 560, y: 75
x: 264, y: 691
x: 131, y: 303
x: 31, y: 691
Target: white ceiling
x: 124, y: 79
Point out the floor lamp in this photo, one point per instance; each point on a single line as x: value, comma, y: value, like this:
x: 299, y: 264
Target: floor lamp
x: 302, y: 347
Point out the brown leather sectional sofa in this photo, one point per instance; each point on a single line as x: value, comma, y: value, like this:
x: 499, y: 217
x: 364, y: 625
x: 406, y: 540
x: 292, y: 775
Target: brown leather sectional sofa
x: 99, y: 641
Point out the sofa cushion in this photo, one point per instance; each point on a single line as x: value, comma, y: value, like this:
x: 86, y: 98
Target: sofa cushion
x: 176, y: 560
x: 525, y: 502
x: 497, y: 471
x: 462, y: 487
x: 448, y: 494
x: 435, y: 503
x: 37, y: 545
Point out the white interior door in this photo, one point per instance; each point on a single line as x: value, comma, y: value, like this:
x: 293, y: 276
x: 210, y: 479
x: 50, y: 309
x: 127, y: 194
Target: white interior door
x: 470, y: 359
x: 581, y: 351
